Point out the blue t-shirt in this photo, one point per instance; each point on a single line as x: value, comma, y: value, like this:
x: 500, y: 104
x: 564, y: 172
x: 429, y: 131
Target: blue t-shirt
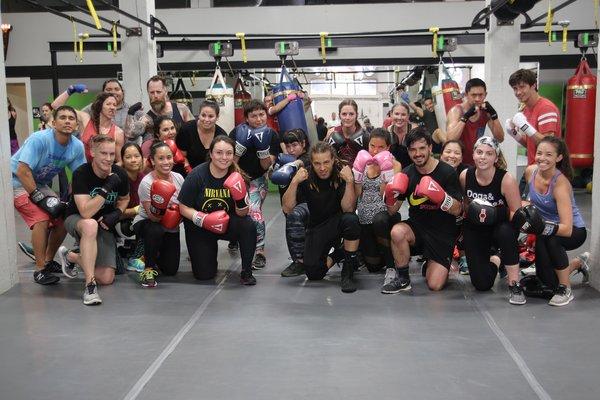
x: 46, y: 157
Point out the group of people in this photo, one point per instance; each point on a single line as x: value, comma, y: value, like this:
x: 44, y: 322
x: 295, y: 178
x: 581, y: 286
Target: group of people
x: 139, y: 175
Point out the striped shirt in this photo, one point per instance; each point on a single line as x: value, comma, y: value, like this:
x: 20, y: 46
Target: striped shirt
x: 545, y: 118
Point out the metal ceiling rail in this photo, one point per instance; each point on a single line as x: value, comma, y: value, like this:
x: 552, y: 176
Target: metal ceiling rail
x: 532, y: 22
x: 160, y: 28
x: 85, y: 11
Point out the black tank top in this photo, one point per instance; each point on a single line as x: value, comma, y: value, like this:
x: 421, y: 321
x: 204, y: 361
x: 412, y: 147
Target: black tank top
x: 491, y: 193
x: 176, y: 115
x: 12, y: 121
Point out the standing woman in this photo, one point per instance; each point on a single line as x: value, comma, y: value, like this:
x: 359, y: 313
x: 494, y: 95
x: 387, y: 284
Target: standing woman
x: 491, y: 197
x: 554, y: 217
x: 165, y: 130
x: 98, y: 122
x: 399, y: 129
x: 348, y: 138
x: 372, y: 170
x: 213, y: 202
x: 157, y: 223
x: 194, y: 137
x: 12, y: 121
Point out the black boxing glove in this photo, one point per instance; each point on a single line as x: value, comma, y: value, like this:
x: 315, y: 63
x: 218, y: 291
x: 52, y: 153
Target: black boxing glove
x: 481, y: 212
x: 468, y: 114
x: 134, y: 108
x: 110, y: 219
x: 52, y: 205
x: 528, y: 219
x: 337, y: 140
x: 110, y: 185
x: 490, y: 110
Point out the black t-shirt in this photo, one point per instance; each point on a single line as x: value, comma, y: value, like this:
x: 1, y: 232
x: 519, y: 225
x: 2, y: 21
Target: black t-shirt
x: 85, y: 181
x: 203, y: 192
x: 188, y: 140
x: 249, y: 162
x: 425, y: 214
x: 429, y: 121
x: 321, y: 131
x: 399, y: 151
x: 323, y: 199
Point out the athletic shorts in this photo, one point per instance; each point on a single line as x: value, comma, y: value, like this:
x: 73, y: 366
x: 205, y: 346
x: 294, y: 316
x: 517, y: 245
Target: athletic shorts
x: 435, y: 246
x: 106, y: 242
x: 30, y: 212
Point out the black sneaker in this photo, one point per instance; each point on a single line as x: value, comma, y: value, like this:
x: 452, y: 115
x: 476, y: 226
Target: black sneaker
x: 394, y: 282
x: 347, y: 283
x: 259, y: 261
x: 294, y: 269
x: 27, y: 250
x: 247, y: 279
x: 232, y: 246
x: 44, y: 277
x: 53, y: 267
x: 502, y: 272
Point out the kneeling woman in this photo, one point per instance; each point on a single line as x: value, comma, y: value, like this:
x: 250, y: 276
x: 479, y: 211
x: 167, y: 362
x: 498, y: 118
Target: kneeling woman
x: 157, y: 223
x: 493, y: 196
x: 214, y: 204
x: 555, y: 219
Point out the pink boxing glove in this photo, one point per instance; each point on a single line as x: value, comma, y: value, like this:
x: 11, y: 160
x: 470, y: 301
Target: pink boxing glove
x: 363, y: 158
x: 385, y: 160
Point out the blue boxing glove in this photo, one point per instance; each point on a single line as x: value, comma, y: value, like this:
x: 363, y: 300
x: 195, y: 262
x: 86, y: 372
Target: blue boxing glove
x: 261, y: 139
x: 283, y: 159
x: 404, y: 97
x: 283, y: 176
x: 76, y: 88
x: 242, y: 139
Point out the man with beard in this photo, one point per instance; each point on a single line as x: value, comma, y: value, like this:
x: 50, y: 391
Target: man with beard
x: 160, y: 107
x: 435, y: 200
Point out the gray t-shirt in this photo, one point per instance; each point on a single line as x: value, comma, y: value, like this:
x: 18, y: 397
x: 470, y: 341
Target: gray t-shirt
x: 144, y: 194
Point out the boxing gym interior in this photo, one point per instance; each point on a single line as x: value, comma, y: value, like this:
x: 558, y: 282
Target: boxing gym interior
x: 291, y: 337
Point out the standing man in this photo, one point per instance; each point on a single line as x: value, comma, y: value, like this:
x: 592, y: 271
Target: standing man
x: 467, y: 121
x: 427, y: 115
x: 41, y: 157
x: 334, y: 121
x: 435, y: 200
x: 328, y: 191
x: 160, y: 107
x: 100, y: 196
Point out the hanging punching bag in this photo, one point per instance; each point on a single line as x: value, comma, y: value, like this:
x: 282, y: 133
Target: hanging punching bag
x: 292, y: 115
x: 240, y: 96
x: 223, y: 96
x: 581, y: 115
x: 313, y: 136
x: 445, y: 96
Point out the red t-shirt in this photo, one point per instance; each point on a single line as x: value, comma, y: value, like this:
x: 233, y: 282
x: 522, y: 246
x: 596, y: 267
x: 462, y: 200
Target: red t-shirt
x: 545, y: 118
x: 471, y: 132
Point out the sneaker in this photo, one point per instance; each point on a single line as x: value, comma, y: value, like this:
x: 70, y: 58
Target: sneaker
x: 347, y: 282
x: 232, y: 246
x: 27, y: 249
x: 259, y: 262
x: 562, y: 296
x: 502, y: 272
x: 247, y: 279
x: 53, y: 267
x: 44, y: 277
x: 136, y: 264
x: 68, y: 268
x: 90, y: 294
x: 529, y: 270
x: 584, y: 270
x: 516, y: 295
x: 463, y: 268
x: 423, y: 269
x: 147, y: 278
x: 294, y: 269
x: 394, y: 283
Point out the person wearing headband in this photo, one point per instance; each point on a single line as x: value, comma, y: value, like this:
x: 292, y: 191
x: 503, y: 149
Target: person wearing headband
x: 491, y: 198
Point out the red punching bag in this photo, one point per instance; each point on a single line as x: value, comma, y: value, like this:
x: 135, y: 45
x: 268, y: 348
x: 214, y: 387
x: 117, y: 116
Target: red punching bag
x: 240, y: 97
x: 581, y: 114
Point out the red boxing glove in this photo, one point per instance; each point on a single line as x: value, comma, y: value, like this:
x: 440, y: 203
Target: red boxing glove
x: 396, y: 188
x: 429, y: 188
x: 178, y: 157
x: 160, y: 196
x: 385, y: 160
x: 172, y: 217
x: 237, y: 188
x: 215, y: 222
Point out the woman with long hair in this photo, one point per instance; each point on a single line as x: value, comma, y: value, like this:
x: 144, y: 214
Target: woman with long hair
x: 349, y: 137
x: 398, y: 130
x: 166, y: 130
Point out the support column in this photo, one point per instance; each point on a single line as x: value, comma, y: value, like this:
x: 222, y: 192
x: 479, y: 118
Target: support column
x: 138, y: 53
x: 8, y: 245
x: 501, y: 60
x: 595, y: 240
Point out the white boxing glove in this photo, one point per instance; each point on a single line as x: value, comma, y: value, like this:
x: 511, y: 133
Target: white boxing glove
x: 512, y: 131
x: 523, y: 125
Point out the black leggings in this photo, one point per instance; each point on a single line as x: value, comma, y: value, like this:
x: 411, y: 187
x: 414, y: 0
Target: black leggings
x: 551, y: 254
x: 202, y: 245
x: 482, y: 241
x: 295, y: 230
x: 323, y: 237
x: 382, y: 228
x: 161, y: 248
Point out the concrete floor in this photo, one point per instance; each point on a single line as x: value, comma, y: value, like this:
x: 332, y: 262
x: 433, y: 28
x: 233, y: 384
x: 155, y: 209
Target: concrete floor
x: 292, y: 339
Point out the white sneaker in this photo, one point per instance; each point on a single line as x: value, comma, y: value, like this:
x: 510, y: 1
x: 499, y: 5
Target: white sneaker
x: 584, y: 270
x: 90, y: 295
x: 529, y: 270
x: 562, y: 296
x: 69, y: 269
